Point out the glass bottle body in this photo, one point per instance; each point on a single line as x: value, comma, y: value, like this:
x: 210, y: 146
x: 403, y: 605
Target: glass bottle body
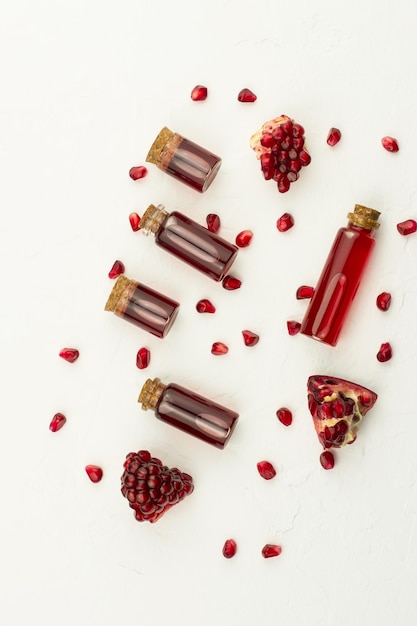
x: 184, y: 160
x: 338, y: 284
x: 189, y: 412
x: 139, y: 304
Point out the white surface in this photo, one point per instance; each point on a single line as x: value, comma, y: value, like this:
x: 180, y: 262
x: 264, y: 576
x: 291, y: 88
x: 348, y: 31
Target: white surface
x: 85, y: 88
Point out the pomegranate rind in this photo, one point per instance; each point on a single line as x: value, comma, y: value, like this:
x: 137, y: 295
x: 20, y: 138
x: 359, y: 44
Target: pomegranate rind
x: 337, y: 407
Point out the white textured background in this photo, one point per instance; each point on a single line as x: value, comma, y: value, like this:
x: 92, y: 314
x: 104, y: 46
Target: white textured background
x: 85, y: 87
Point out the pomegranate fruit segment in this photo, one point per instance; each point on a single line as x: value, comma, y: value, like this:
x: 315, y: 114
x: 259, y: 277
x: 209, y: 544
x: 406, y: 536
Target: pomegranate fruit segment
x: 337, y: 407
x: 152, y: 488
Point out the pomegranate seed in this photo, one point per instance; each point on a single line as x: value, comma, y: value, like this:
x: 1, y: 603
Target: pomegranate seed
x: 205, y: 306
x: 94, y: 472
x: 266, y: 470
x: 246, y: 95
x: 57, y: 422
x: 327, y: 460
x: 138, y: 172
x: 269, y: 550
x: 199, y: 93
x: 304, y: 292
x: 293, y: 327
x: 250, y: 338
x: 297, y: 130
x: 142, y: 358
x: 283, y: 183
x: 385, y: 352
x: 285, y: 416
x: 383, y: 301
x: 334, y: 136
x: 117, y: 269
x: 230, y: 283
x: 69, y: 354
x: 218, y: 348
x: 213, y: 222
x: 267, y: 140
x: 134, y: 220
x: 285, y: 222
x: 390, y: 144
x: 229, y: 548
x: 304, y: 157
x: 407, y: 228
x: 244, y: 238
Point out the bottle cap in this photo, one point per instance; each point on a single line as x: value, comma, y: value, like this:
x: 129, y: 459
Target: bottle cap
x: 150, y: 393
x: 152, y: 219
x: 158, y: 146
x: 119, y: 290
x: 364, y: 217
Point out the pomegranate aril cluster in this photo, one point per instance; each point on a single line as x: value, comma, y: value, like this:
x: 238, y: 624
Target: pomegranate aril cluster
x: 152, y: 488
x: 280, y: 147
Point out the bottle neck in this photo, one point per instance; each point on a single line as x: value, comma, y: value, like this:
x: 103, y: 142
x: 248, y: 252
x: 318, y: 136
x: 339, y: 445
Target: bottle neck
x: 364, y: 218
x: 150, y: 393
x: 153, y: 218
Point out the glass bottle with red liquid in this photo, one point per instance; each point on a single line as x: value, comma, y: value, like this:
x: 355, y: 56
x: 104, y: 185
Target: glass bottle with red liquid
x: 188, y: 411
x: 184, y: 160
x: 189, y: 241
x: 341, y: 276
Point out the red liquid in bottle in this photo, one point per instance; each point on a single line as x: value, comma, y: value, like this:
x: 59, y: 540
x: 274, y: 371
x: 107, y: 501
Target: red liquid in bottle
x: 196, y: 245
x: 338, y: 283
x: 194, y: 165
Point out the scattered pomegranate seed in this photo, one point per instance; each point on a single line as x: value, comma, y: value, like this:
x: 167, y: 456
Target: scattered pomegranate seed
x: 213, y: 222
x: 117, y: 269
x: 138, y: 172
x: 229, y: 548
x: 134, y: 220
x: 219, y: 348
x: 199, y: 93
x: 385, y: 352
x: 390, y: 144
x: 285, y: 222
x: 383, y: 301
x: 94, y: 472
x: 334, y: 136
x: 244, y: 238
x: 246, y: 95
x: 205, y: 306
x: 69, y: 354
x: 250, y: 338
x: 327, y: 460
x: 57, y: 422
x: 143, y: 358
x: 266, y: 470
x: 293, y: 327
x: 407, y: 228
x: 304, y: 292
x: 231, y: 283
x: 269, y: 550
x: 285, y: 416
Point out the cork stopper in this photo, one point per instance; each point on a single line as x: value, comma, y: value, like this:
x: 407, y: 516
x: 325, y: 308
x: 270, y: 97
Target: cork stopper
x: 150, y: 393
x: 152, y: 219
x: 119, y: 289
x: 364, y: 217
x: 158, y: 146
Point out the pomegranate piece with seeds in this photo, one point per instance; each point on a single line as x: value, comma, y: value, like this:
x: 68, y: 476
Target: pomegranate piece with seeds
x: 333, y: 137
x: 384, y: 353
x: 280, y: 147
x: 229, y: 548
x: 390, y: 144
x: 266, y: 470
x: 383, y: 301
x: 213, y: 222
x: 94, y: 473
x: 57, y: 422
x: 244, y: 238
x: 327, y: 460
x: 407, y: 228
x: 246, y: 95
x: 304, y: 292
x: 285, y: 416
x: 205, y: 306
x: 231, y: 283
x: 293, y: 327
x: 219, y: 348
x: 138, y: 172
x: 152, y: 488
x: 116, y: 269
x: 270, y: 550
x: 143, y: 358
x: 199, y: 93
x: 285, y: 222
x: 134, y: 220
x: 337, y: 407
x: 250, y: 338
x: 69, y: 354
